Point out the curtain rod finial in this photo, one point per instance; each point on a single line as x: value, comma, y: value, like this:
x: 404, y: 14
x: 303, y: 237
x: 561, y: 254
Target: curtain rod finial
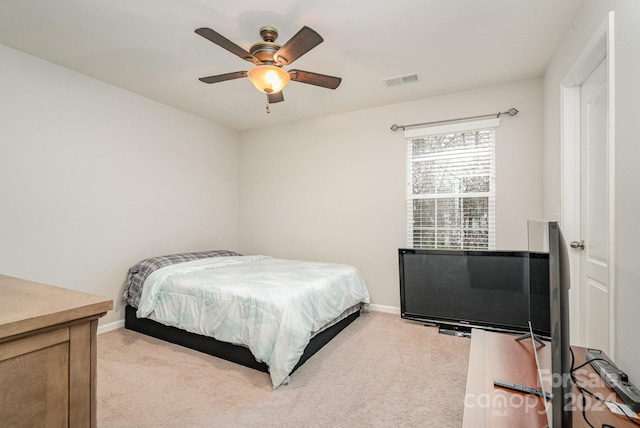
x: 511, y: 112
x: 395, y: 127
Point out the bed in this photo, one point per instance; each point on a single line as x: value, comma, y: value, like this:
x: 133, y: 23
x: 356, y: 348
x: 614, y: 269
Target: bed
x: 262, y: 312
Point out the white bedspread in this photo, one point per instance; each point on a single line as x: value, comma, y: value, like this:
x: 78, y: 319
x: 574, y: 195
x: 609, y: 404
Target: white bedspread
x: 269, y: 305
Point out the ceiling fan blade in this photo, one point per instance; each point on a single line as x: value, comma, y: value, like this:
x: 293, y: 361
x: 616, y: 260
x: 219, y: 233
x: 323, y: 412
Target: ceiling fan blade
x: 275, y: 97
x: 227, y: 44
x: 301, y: 43
x: 315, y: 79
x: 223, y: 77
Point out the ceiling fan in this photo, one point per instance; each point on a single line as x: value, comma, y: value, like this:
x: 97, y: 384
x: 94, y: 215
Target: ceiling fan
x: 268, y: 58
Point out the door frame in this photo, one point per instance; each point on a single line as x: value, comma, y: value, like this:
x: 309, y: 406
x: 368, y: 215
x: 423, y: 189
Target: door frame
x: 600, y: 47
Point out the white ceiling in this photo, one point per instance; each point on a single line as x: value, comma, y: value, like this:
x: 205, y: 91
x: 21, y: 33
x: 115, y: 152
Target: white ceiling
x: 149, y: 47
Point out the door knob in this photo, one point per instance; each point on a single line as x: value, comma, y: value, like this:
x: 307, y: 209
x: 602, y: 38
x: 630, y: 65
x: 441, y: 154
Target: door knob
x: 577, y: 244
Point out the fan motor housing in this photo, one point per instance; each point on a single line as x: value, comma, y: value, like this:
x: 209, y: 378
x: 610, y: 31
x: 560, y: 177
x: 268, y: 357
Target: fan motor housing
x: 264, y: 51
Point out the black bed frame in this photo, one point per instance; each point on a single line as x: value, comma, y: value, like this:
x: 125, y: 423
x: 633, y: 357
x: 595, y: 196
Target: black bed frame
x: 234, y: 353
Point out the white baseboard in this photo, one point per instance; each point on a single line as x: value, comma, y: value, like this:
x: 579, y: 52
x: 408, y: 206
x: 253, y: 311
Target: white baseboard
x: 372, y: 307
x: 111, y: 326
x: 383, y: 308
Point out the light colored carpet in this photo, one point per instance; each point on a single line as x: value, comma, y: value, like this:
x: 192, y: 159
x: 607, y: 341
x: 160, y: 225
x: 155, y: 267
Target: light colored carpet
x: 381, y: 371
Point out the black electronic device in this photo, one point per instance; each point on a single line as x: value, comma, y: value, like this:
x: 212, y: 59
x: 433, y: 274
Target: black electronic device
x: 522, y: 388
x: 615, y: 378
x: 547, y: 237
x: 455, y: 330
x: 462, y: 289
x: 559, y: 283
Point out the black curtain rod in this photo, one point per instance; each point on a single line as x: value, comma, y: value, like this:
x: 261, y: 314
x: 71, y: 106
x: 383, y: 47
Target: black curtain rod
x: 510, y: 112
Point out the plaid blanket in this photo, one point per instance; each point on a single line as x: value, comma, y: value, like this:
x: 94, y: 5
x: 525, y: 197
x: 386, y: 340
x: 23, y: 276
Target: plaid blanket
x: 141, y: 270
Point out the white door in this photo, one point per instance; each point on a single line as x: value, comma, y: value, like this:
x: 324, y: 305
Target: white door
x: 593, y: 243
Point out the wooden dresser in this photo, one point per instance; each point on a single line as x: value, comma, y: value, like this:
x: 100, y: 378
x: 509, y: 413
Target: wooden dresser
x: 47, y: 354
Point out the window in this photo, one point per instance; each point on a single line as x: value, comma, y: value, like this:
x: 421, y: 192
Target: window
x: 451, y: 186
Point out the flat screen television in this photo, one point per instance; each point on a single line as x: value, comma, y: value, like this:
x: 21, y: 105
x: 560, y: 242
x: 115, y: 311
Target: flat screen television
x: 559, y: 414
x: 462, y: 289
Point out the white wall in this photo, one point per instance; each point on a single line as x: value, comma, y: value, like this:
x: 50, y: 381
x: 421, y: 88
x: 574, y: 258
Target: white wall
x: 627, y: 155
x: 333, y: 188
x: 94, y: 178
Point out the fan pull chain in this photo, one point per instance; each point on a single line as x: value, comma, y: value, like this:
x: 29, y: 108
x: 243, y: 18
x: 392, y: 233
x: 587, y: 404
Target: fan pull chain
x: 268, y: 109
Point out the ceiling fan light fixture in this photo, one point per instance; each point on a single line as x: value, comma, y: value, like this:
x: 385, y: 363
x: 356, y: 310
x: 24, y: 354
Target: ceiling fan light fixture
x: 268, y: 78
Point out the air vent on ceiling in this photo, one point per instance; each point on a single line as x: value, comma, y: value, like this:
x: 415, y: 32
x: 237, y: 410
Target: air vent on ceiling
x: 401, y: 80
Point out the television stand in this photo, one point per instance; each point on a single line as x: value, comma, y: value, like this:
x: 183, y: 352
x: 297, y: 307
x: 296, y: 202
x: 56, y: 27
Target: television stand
x: 454, y: 330
x: 494, y: 356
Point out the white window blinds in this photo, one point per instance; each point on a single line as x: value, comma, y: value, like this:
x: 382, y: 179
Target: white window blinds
x: 451, y: 186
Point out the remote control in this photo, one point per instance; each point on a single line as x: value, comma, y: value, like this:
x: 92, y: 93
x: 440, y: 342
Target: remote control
x: 522, y: 388
x: 615, y: 378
